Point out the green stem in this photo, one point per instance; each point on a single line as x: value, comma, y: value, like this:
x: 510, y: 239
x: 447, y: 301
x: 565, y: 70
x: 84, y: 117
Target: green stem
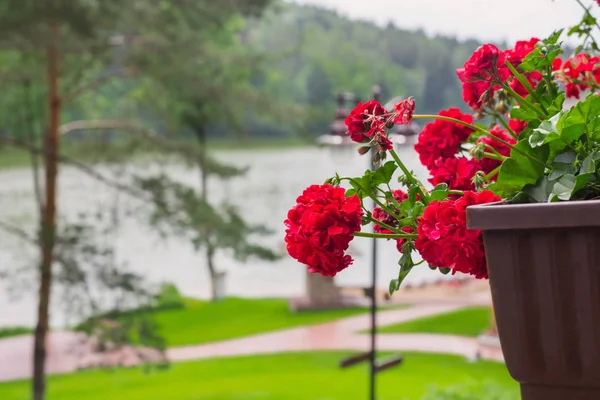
x: 480, y: 130
x: 394, y: 201
x: 384, y: 225
x: 588, y: 12
x: 526, y: 84
x: 456, y: 192
x: 492, y: 173
x: 386, y: 236
x: 410, y: 176
x: 505, y: 125
x: 521, y: 100
x: 375, y: 199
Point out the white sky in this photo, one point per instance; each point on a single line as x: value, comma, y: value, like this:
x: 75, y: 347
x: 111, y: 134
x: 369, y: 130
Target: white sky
x: 486, y: 20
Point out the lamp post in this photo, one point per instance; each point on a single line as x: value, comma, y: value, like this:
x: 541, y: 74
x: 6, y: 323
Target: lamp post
x: 337, y: 138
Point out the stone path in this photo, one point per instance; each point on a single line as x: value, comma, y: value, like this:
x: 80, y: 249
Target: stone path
x: 65, y: 351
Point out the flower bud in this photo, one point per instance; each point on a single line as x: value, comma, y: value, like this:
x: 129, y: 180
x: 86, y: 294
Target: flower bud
x: 478, y: 180
x: 477, y: 151
x: 501, y: 107
x: 363, y: 150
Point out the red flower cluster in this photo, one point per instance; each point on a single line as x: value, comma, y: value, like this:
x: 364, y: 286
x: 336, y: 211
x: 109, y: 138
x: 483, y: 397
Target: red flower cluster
x: 486, y: 69
x: 365, y: 120
x: 516, y: 56
x: 442, y: 139
x: 457, y: 173
x: 489, y: 164
x: 578, y: 73
x: 380, y: 215
x: 444, y: 240
x: 366, y: 124
x: 320, y: 227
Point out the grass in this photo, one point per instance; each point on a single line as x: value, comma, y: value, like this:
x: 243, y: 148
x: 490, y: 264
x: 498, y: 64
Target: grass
x: 468, y: 322
x: 202, y: 321
x: 289, y: 376
x: 10, y: 331
x: 93, y: 150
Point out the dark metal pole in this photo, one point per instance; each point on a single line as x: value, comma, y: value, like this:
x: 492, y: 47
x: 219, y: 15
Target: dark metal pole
x: 373, y: 312
x: 376, y: 96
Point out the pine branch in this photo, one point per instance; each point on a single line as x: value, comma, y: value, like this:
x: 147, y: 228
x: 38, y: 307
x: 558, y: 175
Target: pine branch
x: 95, y: 84
x: 81, y: 167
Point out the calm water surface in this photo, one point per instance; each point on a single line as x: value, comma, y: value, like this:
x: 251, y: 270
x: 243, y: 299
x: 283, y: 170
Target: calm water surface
x: 265, y: 194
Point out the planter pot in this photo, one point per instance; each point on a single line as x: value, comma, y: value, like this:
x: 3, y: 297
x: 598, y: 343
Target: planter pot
x: 544, y: 266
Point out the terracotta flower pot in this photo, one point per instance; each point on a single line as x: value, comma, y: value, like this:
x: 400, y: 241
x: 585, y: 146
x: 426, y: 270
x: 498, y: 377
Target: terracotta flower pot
x: 544, y: 266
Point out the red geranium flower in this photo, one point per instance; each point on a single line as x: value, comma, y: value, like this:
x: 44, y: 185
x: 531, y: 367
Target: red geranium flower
x: 517, y: 126
x: 475, y: 94
x: 444, y: 240
x: 522, y: 48
x: 488, y: 164
x: 404, y: 111
x: 320, y: 227
x: 579, y: 73
x: 457, y: 173
x: 365, y: 120
x: 442, y: 139
x: 483, y: 65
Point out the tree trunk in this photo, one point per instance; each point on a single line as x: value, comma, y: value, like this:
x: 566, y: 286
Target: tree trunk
x: 48, y: 220
x: 210, y: 249
x: 212, y: 271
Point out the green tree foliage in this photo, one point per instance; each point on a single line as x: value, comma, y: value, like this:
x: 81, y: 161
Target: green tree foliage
x: 326, y: 53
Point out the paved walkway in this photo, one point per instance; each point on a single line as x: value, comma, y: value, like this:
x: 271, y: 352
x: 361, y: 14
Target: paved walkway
x: 344, y: 334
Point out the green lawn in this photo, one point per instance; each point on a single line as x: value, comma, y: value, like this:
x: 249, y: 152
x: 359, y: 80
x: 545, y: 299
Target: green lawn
x: 202, y: 321
x: 468, y: 322
x: 290, y: 376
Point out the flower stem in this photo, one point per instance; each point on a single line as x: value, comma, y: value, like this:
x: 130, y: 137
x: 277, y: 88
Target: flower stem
x: 387, y: 236
x: 384, y: 225
x: 409, y: 176
x: 492, y: 173
x: 456, y: 192
x: 522, y: 100
x: 480, y: 130
x: 526, y: 84
x: 375, y: 199
x: 505, y: 125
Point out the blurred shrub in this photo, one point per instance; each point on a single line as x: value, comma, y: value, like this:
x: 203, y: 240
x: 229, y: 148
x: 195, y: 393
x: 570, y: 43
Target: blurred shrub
x: 169, y: 297
x: 14, y: 331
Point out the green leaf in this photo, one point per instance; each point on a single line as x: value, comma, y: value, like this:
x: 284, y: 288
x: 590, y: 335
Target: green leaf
x: 546, y: 132
x: 589, y: 163
x: 560, y: 169
x: 566, y: 157
x: 540, y: 192
x: 519, y: 170
x: 580, y: 182
x: 557, y: 104
x: 444, y: 271
x: 579, y: 119
x: 394, y: 286
x: 440, y: 192
x: 350, y: 192
x: 523, y: 115
x: 406, y: 265
x: 384, y: 174
x: 563, y: 188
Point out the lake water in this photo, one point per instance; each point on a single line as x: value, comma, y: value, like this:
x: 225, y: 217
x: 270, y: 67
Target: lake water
x: 275, y: 179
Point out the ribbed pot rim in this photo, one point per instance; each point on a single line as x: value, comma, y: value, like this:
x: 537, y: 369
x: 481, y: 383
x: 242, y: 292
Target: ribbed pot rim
x: 504, y: 216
